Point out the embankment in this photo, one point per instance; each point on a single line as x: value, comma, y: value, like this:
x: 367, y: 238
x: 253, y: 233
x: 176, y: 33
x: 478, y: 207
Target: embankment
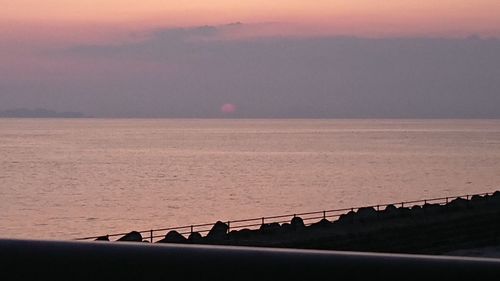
x: 427, y: 229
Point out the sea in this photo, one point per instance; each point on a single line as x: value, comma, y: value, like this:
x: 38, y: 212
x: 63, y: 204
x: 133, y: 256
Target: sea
x: 71, y: 178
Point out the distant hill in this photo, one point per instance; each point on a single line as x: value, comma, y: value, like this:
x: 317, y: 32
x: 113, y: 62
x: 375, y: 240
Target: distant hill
x: 38, y: 113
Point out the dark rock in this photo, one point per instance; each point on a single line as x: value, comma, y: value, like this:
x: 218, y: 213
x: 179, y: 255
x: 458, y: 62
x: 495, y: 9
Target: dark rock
x: 390, y: 212
x: 102, y: 238
x: 347, y: 218
x: 477, y: 198
x: 458, y: 204
x: 323, y: 223
x: 195, y: 237
x: 495, y: 197
x: 297, y: 223
x: 404, y: 212
x: 133, y: 236
x: 285, y: 227
x: 173, y: 237
x: 242, y: 234
x: 219, y: 230
x: 271, y: 228
x: 478, y: 201
x: 390, y: 208
x: 431, y: 209
x: 366, y: 214
x: 417, y: 210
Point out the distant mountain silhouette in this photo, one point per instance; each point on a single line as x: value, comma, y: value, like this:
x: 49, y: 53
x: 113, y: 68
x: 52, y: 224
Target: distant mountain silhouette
x: 38, y: 113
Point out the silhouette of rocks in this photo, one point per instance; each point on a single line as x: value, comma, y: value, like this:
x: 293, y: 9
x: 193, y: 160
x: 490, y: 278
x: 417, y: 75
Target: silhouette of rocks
x: 195, y: 237
x: 218, y: 231
x: 432, y: 209
x: 133, y: 236
x: 286, y: 227
x: 243, y: 234
x: 271, y: 228
x: 347, y: 218
x: 427, y: 229
x: 366, y: 214
x: 297, y: 223
x: 173, y: 237
x: 102, y: 238
x: 391, y: 212
x: 458, y: 204
x: 323, y: 223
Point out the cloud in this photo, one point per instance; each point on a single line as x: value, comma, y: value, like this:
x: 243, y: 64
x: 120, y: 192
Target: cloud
x: 192, y: 72
x: 160, y: 42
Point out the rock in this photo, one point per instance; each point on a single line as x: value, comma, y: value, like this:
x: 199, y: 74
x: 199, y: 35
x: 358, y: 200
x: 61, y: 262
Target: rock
x: 347, y: 218
x: 417, y: 210
x: 458, y: 204
x: 195, y: 237
x: 270, y: 228
x: 242, y: 234
x: 297, y: 223
x: 495, y: 197
x: 102, y: 238
x: 390, y: 208
x: 366, y: 214
x: 173, y: 237
x: 285, y: 227
x: 390, y: 212
x: 133, y: 236
x: 431, y: 209
x: 477, y: 198
x: 219, y: 230
x: 323, y: 223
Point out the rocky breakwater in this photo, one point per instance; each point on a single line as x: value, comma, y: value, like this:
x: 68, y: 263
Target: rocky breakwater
x: 427, y: 229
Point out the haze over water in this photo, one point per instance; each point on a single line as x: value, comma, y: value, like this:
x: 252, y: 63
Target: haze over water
x: 68, y: 178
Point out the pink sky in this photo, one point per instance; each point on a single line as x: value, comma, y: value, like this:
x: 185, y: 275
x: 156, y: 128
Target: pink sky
x: 171, y: 58
x: 354, y: 17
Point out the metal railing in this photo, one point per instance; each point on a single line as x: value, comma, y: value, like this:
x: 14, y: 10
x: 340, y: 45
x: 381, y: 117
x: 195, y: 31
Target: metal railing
x: 308, y: 218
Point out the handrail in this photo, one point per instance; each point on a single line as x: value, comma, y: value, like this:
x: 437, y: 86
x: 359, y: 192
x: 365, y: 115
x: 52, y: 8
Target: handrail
x: 151, y: 234
x: 63, y: 260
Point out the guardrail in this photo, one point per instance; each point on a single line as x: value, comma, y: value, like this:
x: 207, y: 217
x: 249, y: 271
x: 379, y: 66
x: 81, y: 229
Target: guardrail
x: 307, y: 217
x: 71, y: 260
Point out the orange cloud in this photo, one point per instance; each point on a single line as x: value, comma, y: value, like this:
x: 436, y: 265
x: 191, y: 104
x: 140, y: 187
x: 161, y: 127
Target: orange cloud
x: 329, y: 16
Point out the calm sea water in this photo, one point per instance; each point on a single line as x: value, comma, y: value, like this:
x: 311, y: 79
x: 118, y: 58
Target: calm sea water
x: 62, y: 179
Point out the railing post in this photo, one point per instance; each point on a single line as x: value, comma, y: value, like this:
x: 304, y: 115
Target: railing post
x: 402, y: 204
x: 228, y: 226
x: 324, y: 214
x: 446, y: 200
x: 151, y: 236
x: 262, y: 220
x: 191, y: 228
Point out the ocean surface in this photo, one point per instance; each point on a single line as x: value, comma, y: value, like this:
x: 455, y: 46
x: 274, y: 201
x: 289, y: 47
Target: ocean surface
x: 68, y: 178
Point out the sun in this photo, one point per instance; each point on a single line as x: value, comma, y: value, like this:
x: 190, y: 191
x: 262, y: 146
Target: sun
x: 228, y: 108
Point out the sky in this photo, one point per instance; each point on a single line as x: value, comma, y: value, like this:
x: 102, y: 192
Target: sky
x: 254, y: 59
